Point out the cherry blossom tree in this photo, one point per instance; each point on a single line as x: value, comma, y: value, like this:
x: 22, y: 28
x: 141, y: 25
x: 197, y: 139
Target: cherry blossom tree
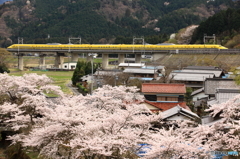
x: 224, y: 134
x: 111, y: 123
x: 221, y: 135
x: 177, y: 141
x: 24, y: 99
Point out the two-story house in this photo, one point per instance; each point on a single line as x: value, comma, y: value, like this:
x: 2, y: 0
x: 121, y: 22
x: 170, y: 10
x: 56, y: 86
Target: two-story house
x: 162, y: 96
x: 169, y: 99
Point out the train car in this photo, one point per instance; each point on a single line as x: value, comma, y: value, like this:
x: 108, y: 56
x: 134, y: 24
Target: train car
x: 114, y: 46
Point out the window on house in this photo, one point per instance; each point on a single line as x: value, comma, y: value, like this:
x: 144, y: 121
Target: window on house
x: 161, y: 99
x: 172, y: 99
x: 151, y: 97
x: 181, y: 98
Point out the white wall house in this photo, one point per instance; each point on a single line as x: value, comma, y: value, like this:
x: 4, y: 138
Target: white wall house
x: 69, y: 65
x: 198, y: 95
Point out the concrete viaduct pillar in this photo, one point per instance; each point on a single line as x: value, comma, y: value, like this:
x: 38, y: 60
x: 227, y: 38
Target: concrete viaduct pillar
x: 74, y: 57
x: 42, y: 61
x: 59, y: 59
x: 121, y: 58
x: 104, y: 61
x: 138, y: 58
x: 20, y: 62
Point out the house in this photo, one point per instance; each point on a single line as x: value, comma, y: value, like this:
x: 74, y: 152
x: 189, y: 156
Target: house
x: 223, y: 95
x: 194, y: 80
x: 212, y: 84
x: 163, y: 92
x: 162, y: 96
x: 198, y: 95
x: 202, y: 68
x: 215, y: 91
x: 156, y: 107
x: 107, y: 73
x: 146, y: 72
x: 194, y: 76
x: 179, y: 113
x: 209, y: 120
x: 199, y: 99
x: 140, y: 72
x: 212, y: 87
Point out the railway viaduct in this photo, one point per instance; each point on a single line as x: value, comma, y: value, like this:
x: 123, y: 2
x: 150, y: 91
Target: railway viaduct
x: 61, y: 53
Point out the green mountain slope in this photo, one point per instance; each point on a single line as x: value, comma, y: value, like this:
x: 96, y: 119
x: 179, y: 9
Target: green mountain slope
x: 101, y: 21
x: 225, y: 25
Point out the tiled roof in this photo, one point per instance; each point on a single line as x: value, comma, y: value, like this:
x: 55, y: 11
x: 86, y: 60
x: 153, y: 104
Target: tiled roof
x: 201, y: 68
x: 166, y: 106
x: 178, y: 110
x: 163, y: 88
x: 217, y: 73
x: 197, y: 91
x: 186, y: 76
x: 139, y: 70
x: 132, y: 64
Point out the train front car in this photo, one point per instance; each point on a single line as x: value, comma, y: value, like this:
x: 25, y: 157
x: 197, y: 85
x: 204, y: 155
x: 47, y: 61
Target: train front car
x: 221, y: 47
x: 11, y: 46
x: 21, y: 46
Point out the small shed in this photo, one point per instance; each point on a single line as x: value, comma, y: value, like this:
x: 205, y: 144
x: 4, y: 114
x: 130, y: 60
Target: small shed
x: 69, y: 65
x: 130, y: 65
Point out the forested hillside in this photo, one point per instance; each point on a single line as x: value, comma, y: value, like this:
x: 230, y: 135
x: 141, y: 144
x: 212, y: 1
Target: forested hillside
x: 226, y: 27
x: 101, y: 21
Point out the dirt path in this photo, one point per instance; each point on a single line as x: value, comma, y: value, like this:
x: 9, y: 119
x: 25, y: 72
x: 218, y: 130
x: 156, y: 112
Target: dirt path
x: 74, y: 89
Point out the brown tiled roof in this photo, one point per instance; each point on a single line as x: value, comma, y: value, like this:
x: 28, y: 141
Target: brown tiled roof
x: 166, y: 106
x: 163, y: 88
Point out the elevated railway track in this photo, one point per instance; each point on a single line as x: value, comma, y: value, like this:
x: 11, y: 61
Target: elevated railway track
x: 206, y: 51
x: 156, y: 51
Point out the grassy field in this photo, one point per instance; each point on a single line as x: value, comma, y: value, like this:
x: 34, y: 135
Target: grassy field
x: 60, y: 78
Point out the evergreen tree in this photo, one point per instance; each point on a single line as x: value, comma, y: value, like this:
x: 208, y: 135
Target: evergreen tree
x: 83, y: 68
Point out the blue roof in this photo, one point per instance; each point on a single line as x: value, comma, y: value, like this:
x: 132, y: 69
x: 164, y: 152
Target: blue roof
x: 142, y: 78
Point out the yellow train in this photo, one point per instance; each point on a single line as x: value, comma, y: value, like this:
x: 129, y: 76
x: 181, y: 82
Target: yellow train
x: 114, y: 47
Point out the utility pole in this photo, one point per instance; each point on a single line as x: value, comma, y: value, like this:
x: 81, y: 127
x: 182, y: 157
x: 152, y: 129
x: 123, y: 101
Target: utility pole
x: 72, y: 38
x: 20, y: 41
x: 209, y: 37
x: 70, y: 43
x: 143, y: 43
x: 142, y: 39
x: 94, y: 55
